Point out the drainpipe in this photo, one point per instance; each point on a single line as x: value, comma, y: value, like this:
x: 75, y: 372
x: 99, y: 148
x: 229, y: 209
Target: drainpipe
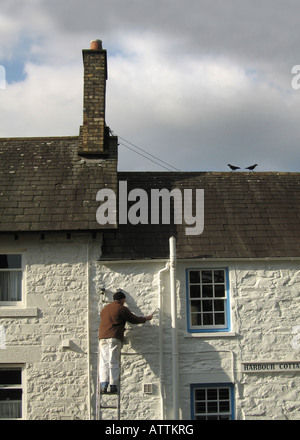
x: 160, y: 341
x: 88, y: 326
x: 172, y: 245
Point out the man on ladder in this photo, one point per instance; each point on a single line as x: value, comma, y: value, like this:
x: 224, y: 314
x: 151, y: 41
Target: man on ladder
x: 111, y: 335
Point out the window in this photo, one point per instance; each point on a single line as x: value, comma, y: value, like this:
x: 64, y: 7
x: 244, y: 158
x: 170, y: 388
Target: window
x: 212, y: 402
x: 10, y: 278
x: 10, y: 393
x: 208, y: 305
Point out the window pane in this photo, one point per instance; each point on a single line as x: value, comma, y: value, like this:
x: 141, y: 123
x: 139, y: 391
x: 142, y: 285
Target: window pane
x: 195, y: 291
x: 220, y: 291
x: 196, y: 319
x: 10, y: 376
x: 10, y: 404
x: 10, y: 261
x: 196, y: 306
x: 195, y: 276
x: 223, y: 393
x: 200, y: 407
x: 224, y: 417
x: 224, y: 407
x: 10, y: 393
x: 207, y: 306
x: 207, y: 291
x: 200, y: 394
x: 219, y: 319
x: 219, y: 276
x: 10, y: 286
x: 212, y: 407
x: 208, y: 319
x: 206, y: 276
x: 219, y: 305
x: 212, y: 394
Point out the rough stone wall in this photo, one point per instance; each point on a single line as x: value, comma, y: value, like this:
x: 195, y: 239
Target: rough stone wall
x: 50, y: 340
x: 266, y: 315
x: 140, y: 363
x: 264, y: 303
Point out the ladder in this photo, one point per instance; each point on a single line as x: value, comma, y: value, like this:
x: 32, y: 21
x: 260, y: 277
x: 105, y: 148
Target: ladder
x: 107, y: 401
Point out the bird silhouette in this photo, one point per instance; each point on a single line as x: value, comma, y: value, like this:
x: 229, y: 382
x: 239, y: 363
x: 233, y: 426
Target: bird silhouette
x: 251, y: 168
x: 233, y: 167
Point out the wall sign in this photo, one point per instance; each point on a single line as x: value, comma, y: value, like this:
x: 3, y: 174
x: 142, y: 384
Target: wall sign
x: 271, y: 367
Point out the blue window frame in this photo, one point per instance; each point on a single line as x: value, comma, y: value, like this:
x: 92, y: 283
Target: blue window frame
x: 208, y: 307
x: 212, y: 401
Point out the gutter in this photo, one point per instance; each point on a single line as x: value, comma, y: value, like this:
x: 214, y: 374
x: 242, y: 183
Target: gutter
x: 160, y: 342
x: 174, y: 330
x: 88, y: 326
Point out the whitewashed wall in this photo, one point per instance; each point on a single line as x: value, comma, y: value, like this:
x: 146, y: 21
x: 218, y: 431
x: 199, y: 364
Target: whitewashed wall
x: 264, y: 299
x: 140, y: 362
x: 60, y: 285
x: 56, y: 292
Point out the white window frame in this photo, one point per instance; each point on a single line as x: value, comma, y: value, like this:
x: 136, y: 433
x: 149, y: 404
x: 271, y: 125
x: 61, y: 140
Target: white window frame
x: 209, y: 413
x: 226, y: 327
x: 20, y: 303
x: 15, y: 386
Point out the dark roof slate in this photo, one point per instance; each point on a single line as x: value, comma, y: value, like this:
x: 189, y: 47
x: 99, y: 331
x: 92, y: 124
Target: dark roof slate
x: 46, y: 186
x: 246, y: 215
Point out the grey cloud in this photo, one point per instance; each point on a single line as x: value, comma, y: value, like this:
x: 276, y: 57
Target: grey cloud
x: 259, y: 37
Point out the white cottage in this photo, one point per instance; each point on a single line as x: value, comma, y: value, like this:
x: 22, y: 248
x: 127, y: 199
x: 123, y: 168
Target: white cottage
x: 225, y: 342
x: 225, y: 339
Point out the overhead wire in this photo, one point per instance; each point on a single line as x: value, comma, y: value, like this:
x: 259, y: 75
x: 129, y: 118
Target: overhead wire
x: 151, y: 157
x: 151, y: 160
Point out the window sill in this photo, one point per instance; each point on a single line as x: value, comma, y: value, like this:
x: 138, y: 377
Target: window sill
x: 18, y: 312
x: 210, y: 335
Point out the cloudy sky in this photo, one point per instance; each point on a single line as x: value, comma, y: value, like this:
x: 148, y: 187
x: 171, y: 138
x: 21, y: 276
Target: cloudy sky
x: 195, y: 83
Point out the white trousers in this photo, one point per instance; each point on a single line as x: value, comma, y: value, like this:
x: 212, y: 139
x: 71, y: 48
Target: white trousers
x: 109, y: 360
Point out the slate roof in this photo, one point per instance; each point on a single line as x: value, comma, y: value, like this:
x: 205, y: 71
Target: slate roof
x: 246, y: 215
x: 46, y: 186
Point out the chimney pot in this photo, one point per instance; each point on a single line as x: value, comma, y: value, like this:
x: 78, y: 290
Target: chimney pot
x: 96, y: 45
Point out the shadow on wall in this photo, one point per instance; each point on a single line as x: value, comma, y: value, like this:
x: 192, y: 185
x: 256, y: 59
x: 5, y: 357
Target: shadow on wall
x: 198, y: 363
x: 140, y: 359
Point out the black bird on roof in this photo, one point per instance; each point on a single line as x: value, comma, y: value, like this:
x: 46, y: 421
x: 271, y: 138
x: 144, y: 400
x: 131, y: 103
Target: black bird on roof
x: 233, y: 167
x: 251, y: 168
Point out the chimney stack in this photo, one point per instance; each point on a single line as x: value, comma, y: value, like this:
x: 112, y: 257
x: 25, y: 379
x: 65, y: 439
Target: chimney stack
x: 93, y: 133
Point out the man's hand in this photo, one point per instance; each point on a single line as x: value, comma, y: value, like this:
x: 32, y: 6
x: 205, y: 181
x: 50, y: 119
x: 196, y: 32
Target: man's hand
x: 149, y: 317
